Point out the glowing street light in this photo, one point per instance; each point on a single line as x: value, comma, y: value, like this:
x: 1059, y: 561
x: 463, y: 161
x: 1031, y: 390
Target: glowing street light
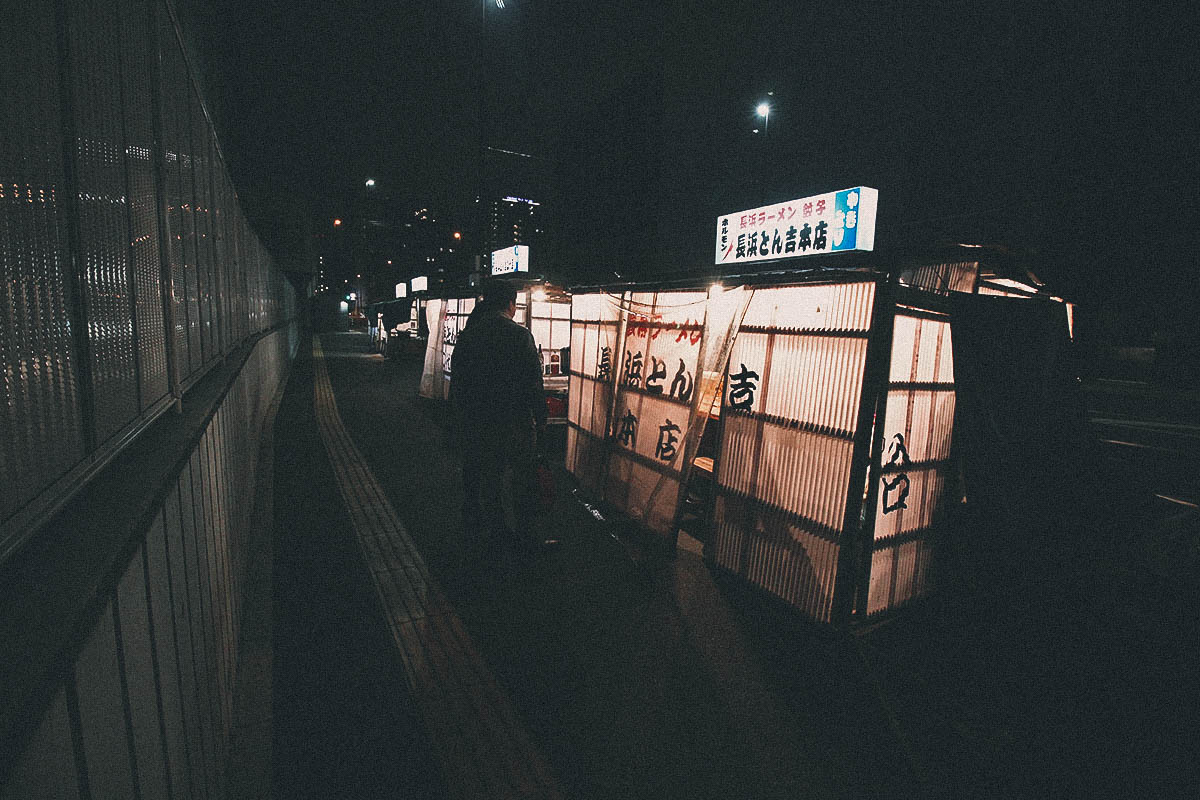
x: 337, y: 223
x: 764, y: 111
x: 370, y: 182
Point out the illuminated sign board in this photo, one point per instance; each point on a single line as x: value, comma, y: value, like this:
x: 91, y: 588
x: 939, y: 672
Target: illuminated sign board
x: 834, y: 222
x: 419, y: 284
x: 510, y: 259
x: 401, y: 290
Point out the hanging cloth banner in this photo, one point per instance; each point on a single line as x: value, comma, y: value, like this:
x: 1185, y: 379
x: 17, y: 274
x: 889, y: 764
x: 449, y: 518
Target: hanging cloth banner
x: 657, y: 380
x: 724, y: 312
x: 433, y: 379
x: 645, y: 375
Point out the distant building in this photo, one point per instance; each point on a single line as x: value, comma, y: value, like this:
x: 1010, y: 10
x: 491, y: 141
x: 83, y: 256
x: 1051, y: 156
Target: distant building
x: 517, y: 191
x: 432, y: 246
x: 380, y: 240
x: 514, y: 220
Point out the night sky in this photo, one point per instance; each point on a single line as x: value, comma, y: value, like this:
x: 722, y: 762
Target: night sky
x: 1050, y: 130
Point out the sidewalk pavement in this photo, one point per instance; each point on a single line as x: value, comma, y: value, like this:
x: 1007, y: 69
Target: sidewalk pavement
x: 639, y: 676
x: 344, y: 724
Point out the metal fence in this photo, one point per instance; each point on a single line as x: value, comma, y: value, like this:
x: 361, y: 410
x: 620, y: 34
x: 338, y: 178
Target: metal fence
x: 127, y: 268
x: 140, y: 702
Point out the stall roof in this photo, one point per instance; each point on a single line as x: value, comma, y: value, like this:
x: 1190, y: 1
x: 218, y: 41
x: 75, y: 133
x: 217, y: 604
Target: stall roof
x: 994, y: 261
x: 378, y: 303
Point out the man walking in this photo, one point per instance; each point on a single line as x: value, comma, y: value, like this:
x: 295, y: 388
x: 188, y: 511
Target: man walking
x: 500, y: 405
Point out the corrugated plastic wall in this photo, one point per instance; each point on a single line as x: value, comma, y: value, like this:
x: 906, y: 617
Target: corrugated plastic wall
x: 786, y: 473
x: 960, y: 276
x: 789, y: 418
x: 918, y: 427
x: 549, y: 322
x: 105, y: 314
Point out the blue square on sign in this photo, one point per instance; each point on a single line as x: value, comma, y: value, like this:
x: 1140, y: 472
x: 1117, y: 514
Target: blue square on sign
x: 845, y: 205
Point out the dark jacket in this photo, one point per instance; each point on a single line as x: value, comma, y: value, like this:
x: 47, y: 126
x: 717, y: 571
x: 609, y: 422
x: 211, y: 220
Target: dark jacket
x: 496, y: 373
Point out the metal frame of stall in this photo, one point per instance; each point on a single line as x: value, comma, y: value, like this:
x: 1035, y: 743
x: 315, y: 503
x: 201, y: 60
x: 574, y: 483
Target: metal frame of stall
x: 826, y: 495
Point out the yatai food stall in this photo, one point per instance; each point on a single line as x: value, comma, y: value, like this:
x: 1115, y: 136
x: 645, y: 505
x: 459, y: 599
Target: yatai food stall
x: 815, y: 407
x: 542, y: 307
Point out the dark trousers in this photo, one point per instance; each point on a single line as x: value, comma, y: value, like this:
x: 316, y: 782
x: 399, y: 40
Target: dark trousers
x: 498, y: 462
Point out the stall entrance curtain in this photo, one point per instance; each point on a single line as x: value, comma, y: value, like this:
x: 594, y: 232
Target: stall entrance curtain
x: 1021, y: 418
x: 643, y: 366
x: 433, y: 377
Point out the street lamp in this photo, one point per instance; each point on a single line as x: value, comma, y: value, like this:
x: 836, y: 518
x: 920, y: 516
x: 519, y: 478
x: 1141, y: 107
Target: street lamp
x: 370, y: 183
x: 764, y: 111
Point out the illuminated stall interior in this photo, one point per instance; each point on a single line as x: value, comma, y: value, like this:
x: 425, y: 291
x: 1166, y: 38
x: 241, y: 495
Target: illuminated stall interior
x: 544, y: 309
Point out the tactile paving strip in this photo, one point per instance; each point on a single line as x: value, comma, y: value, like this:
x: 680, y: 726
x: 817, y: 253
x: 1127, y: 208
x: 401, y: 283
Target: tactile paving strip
x: 483, y: 746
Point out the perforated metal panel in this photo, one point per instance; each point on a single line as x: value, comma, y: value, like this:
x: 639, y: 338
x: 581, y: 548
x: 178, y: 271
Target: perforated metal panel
x: 237, y: 272
x: 221, y: 248
x: 99, y: 148
x: 40, y: 404
x: 173, y: 93
x: 205, y: 269
x: 82, y: 324
x: 187, y: 189
x: 136, y: 54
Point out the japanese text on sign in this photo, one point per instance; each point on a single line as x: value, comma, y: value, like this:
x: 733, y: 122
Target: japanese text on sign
x: 510, y: 259
x: 828, y: 223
